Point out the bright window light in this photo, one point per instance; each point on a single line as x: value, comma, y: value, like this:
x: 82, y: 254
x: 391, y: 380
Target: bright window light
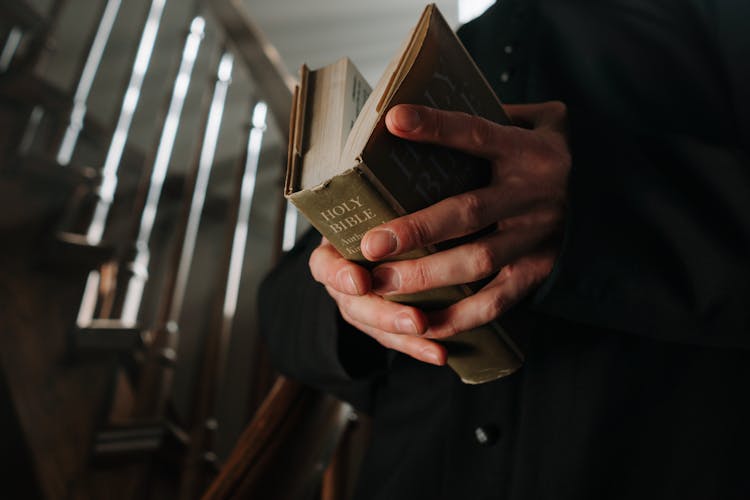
x: 469, y: 9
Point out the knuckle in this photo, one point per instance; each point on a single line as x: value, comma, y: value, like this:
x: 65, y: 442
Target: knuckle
x: 542, y: 269
x: 507, y: 273
x: 449, y: 329
x: 313, y: 265
x: 495, y: 306
x: 343, y: 301
x: 347, y: 317
x: 438, y: 125
x: 418, y: 278
x: 473, y: 208
x: 322, y: 269
x: 556, y: 215
x: 546, y: 156
x: 484, y: 260
x: 481, y: 133
x: 559, y: 108
x: 547, y: 265
x: 416, y: 232
x: 388, y: 341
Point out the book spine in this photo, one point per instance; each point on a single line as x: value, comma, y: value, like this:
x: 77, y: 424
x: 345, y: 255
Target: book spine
x: 348, y: 206
x: 343, y: 210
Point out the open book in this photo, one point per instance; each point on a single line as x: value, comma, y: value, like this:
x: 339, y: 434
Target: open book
x: 347, y: 174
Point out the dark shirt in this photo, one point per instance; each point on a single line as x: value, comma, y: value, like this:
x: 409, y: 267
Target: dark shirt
x: 637, y: 363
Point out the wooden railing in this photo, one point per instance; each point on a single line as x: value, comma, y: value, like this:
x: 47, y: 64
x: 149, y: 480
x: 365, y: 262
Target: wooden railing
x: 115, y: 337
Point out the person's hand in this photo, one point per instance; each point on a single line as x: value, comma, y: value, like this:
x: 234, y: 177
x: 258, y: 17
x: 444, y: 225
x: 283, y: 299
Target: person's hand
x: 393, y: 325
x: 525, y: 203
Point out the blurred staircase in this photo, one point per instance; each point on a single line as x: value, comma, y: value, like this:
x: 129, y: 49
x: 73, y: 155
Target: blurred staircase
x: 123, y: 264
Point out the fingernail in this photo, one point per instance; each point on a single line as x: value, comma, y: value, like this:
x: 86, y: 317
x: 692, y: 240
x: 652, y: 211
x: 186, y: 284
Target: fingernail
x: 431, y: 356
x: 380, y: 243
x: 406, y: 119
x: 404, y: 324
x: 346, y: 282
x: 385, y: 279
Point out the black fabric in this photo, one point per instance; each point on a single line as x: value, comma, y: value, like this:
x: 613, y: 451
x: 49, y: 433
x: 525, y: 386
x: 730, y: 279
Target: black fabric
x: 17, y: 478
x: 637, y: 363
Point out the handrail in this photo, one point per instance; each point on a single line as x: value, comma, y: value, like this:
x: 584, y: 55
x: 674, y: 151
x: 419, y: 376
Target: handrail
x: 274, y: 81
x: 295, y: 425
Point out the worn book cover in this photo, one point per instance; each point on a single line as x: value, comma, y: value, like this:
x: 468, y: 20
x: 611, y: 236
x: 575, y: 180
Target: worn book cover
x: 347, y: 174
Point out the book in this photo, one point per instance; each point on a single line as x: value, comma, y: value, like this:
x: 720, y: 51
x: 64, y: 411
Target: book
x: 347, y: 174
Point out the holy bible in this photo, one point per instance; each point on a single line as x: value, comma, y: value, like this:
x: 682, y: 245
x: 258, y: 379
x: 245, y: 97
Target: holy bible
x: 347, y: 174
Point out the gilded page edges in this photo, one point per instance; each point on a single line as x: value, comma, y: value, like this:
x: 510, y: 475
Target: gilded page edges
x: 296, y: 133
x: 292, y: 157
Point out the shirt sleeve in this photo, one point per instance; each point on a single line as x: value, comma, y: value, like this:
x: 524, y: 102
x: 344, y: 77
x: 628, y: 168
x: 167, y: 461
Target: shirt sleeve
x: 308, y: 339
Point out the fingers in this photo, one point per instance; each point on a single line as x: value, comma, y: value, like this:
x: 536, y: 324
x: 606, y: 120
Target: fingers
x: 473, y: 134
x: 379, y: 313
x: 331, y: 269
x: 542, y: 125
x: 539, y: 115
x: 376, y: 316
x: 467, y: 133
x: 525, y: 205
x: 529, y: 168
x: 417, y: 347
x: 462, y: 264
x: 451, y: 218
x: 394, y: 326
x: 514, y: 283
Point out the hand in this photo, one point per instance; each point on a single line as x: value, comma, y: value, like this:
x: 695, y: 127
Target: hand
x: 525, y: 202
x: 394, y: 326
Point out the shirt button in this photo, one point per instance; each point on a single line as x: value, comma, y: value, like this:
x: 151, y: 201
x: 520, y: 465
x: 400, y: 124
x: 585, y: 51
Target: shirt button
x: 508, y: 49
x: 487, y: 435
x: 504, y: 77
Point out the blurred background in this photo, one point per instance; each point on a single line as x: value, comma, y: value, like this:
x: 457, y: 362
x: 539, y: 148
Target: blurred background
x: 142, y: 153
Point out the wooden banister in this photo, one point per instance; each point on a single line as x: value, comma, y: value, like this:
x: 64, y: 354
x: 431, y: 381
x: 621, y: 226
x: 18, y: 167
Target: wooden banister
x: 275, y: 84
x: 284, y: 450
x: 295, y: 431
